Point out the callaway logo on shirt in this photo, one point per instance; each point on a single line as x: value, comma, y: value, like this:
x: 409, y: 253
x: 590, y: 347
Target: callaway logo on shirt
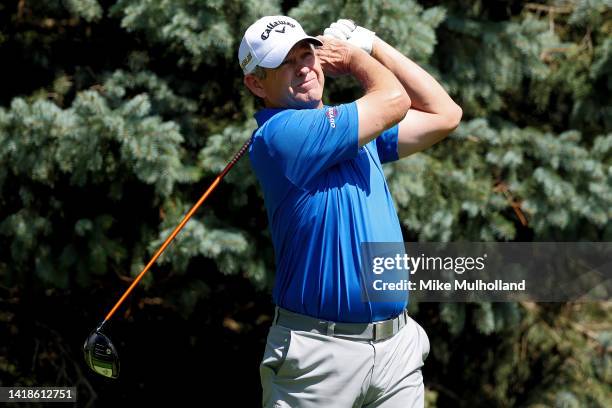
x: 332, y: 114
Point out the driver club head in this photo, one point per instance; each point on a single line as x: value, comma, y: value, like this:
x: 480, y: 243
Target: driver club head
x: 101, y: 355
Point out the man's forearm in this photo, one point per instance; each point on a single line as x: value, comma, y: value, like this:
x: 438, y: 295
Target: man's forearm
x: 425, y: 92
x: 372, y: 75
x: 385, y: 102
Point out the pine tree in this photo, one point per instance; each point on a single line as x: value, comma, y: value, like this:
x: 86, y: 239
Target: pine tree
x: 115, y: 115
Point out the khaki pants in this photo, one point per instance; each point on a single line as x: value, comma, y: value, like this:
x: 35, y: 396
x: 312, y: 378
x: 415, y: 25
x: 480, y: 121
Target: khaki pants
x: 301, y: 369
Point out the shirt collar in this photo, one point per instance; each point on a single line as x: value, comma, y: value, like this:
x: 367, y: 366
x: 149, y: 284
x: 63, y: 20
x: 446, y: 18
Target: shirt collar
x: 263, y: 115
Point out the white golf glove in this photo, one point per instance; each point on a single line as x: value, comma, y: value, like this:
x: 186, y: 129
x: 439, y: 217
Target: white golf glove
x: 347, y: 30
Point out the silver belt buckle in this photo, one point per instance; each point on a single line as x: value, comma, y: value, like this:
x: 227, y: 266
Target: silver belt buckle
x: 383, y: 330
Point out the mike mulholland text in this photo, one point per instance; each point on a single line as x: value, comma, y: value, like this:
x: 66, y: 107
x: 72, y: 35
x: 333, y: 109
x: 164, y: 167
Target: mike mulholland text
x: 438, y: 285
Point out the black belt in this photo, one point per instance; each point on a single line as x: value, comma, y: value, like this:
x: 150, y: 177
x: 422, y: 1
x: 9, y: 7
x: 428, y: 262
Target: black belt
x: 376, y: 331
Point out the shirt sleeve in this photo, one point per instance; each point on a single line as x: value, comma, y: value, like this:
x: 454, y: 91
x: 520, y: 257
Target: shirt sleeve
x: 304, y: 143
x: 386, y: 145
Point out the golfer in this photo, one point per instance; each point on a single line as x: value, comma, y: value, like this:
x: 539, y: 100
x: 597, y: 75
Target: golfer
x: 320, y: 171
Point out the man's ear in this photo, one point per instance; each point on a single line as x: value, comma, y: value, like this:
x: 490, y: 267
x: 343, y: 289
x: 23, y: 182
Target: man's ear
x: 254, y: 84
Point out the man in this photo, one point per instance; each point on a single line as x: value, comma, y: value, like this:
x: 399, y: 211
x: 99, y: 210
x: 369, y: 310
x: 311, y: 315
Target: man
x: 325, y: 193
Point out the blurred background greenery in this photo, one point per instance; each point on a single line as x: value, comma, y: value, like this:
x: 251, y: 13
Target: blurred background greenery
x: 115, y: 115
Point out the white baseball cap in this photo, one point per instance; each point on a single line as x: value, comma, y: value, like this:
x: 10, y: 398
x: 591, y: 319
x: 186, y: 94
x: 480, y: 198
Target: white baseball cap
x: 268, y: 41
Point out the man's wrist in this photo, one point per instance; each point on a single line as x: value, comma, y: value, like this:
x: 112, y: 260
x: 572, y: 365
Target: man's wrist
x: 356, y: 56
x: 376, y: 47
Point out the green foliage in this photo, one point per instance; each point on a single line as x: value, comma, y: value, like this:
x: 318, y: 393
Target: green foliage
x: 116, y: 116
x: 199, y: 32
x: 90, y: 10
x: 483, y: 172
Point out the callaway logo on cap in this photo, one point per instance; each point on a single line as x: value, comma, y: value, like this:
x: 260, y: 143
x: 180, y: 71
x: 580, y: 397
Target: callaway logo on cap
x: 268, y: 41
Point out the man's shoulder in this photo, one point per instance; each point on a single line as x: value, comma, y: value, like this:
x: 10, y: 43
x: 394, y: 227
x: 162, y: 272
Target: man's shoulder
x: 295, y: 118
x: 282, y: 121
x: 284, y: 115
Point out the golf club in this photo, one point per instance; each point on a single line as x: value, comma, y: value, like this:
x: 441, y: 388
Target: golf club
x: 100, y: 353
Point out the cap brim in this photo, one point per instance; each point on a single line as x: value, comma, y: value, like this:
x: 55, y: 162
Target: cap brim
x: 275, y: 57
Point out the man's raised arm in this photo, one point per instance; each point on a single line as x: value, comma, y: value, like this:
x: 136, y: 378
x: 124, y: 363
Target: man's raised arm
x: 385, y: 102
x: 433, y: 114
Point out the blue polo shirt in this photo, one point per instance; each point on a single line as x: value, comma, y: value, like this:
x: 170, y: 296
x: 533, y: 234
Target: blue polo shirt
x: 324, y: 196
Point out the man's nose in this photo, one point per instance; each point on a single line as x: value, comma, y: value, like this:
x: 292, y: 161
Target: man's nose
x: 303, y: 70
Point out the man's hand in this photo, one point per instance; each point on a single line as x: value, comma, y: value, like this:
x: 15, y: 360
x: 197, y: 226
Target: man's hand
x: 335, y: 56
x: 347, y: 30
